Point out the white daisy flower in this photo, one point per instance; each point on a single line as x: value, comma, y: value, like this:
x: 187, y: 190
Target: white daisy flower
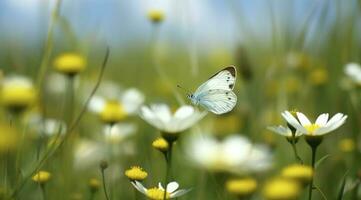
x: 47, y: 126
x: 88, y: 154
x: 234, y: 154
x: 160, y: 116
x: 284, y: 131
x: 114, y: 110
x: 353, y: 70
x: 157, y: 193
x: 119, y: 132
x: 321, y: 127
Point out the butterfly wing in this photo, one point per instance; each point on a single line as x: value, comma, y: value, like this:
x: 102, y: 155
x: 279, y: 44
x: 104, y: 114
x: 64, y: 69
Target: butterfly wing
x: 217, y: 101
x: 222, y: 80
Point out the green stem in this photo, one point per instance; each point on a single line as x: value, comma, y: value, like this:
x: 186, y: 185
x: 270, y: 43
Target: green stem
x: 293, y: 143
x: 43, y: 191
x: 104, y: 186
x: 48, y: 45
x: 18, y: 158
x: 314, y: 149
x: 168, y: 158
x: 92, y: 195
x: 136, y: 196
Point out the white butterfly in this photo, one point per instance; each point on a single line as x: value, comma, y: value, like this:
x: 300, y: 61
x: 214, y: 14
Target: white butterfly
x: 216, y: 93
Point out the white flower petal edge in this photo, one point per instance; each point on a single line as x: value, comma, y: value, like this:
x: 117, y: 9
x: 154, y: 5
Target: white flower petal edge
x: 132, y: 100
x: 353, y: 70
x: 293, y: 121
x: 303, y: 119
x: 96, y: 104
x: 160, y: 116
x: 332, y: 125
x: 172, y: 186
x: 284, y: 131
x: 139, y: 187
x: 180, y: 193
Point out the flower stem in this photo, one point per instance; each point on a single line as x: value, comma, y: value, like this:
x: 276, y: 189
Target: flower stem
x: 293, y: 143
x: 43, y: 191
x: 104, y: 185
x: 314, y: 149
x: 168, y: 158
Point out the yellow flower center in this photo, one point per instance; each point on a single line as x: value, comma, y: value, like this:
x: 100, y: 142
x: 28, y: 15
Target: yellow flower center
x: 281, y: 189
x: 156, y: 16
x: 157, y: 194
x: 112, y: 112
x: 136, y: 173
x: 312, y: 128
x: 70, y: 63
x: 241, y: 187
x: 302, y: 173
x: 161, y: 144
x: 41, y: 177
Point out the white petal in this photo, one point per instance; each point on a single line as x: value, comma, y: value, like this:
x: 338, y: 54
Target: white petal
x: 332, y: 126
x: 280, y: 130
x: 179, y: 193
x: 182, y: 124
x: 162, y: 111
x: 172, y: 186
x: 353, y: 70
x: 131, y: 100
x: 322, y: 119
x: 293, y: 121
x: 202, y: 149
x: 160, y: 186
x: 184, y: 112
x: 149, y: 116
x: 96, y: 104
x: 235, y: 149
x: 334, y: 119
x: 303, y: 119
x: 139, y: 187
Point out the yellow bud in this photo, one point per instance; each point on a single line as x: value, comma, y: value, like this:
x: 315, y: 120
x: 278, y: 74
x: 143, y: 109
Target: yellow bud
x: 318, y: 76
x: 70, y: 63
x: 281, y: 189
x: 242, y: 187
x: 156, y: 16
x: 161, y: 144
x: 94, y: 184
x: 17, y: 94
x: 41, y: 177
x: 136, y: 173
x: 301, y: 173
x: 347, y: 145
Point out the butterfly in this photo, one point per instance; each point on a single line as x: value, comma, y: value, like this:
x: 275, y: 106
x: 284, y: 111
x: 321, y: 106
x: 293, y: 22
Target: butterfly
x: 216, y: 95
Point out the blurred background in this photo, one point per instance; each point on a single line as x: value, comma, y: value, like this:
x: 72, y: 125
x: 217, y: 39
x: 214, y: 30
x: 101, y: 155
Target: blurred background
x: 289, y: 55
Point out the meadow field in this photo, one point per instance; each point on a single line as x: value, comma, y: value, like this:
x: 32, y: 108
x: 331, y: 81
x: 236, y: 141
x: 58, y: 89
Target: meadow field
x: 187, y: 100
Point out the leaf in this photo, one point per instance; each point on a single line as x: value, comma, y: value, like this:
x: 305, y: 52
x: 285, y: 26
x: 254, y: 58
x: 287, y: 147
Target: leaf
x: 321, y: 160
x: 342, y: 187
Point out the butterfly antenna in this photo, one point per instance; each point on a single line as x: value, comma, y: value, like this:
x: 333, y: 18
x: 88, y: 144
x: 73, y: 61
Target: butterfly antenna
x: 186, y: 91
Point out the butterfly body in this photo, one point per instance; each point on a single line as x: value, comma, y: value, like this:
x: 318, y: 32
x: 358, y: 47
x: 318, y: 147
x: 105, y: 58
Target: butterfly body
x: 216, y: 93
